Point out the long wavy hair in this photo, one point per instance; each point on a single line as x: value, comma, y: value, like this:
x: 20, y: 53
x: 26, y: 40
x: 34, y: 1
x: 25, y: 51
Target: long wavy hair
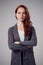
x: 27, y: 22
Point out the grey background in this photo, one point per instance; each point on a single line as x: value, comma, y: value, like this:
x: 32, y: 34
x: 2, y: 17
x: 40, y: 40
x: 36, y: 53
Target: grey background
x: 7, y: 19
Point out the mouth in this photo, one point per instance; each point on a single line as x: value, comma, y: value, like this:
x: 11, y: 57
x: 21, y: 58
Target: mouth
x: 21, y: 18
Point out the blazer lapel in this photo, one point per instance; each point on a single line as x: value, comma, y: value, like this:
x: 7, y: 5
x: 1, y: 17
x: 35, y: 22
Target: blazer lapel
x: 17, y: 35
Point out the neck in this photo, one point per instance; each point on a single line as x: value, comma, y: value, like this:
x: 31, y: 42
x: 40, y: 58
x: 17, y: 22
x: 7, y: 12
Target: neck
x: 20, y: 25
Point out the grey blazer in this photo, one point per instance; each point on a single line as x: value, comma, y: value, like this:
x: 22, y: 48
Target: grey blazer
x: 22, y: 54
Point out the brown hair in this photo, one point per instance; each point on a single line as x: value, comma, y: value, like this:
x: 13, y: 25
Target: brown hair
x: 27, y: 23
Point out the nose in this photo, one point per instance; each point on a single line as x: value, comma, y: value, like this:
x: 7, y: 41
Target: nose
x: 21, y: 14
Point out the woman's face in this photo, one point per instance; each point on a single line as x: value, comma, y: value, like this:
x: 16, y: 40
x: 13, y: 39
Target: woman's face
x: 21, y: 14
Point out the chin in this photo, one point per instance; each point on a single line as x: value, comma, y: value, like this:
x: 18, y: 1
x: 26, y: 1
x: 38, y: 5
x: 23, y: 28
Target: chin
x: 21, y: 20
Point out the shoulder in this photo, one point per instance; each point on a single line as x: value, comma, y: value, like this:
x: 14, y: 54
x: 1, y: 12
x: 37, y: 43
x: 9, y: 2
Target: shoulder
x: 33, y: 30
x: 32, y: 27
x: 12, y: 28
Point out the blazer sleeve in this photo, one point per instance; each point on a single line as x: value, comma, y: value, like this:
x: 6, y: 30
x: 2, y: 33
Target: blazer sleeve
x: 11, y: 42
x: 32, y: 41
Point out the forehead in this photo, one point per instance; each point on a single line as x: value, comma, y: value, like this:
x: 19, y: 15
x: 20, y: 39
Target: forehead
x: 21, y: 9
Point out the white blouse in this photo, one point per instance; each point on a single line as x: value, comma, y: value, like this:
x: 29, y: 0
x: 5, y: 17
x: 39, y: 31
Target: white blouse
x: 21, y: 35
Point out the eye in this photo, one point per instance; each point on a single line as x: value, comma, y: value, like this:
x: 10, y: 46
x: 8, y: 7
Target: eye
x: 19, y: 12
x: 24, y: 13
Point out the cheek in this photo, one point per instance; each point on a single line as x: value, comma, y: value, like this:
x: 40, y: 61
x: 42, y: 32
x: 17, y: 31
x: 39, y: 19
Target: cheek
x: 17, y: 15
x: 24, y: 16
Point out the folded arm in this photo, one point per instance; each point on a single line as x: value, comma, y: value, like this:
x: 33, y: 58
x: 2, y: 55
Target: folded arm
x: 32, y: 41
x: 22, y: 44
x: 13, y: 45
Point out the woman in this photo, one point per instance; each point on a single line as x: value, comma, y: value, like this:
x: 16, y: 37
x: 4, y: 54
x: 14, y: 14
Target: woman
x: 22, y: 38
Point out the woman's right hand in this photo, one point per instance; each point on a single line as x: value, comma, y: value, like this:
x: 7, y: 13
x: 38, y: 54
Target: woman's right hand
x: 17, y: 42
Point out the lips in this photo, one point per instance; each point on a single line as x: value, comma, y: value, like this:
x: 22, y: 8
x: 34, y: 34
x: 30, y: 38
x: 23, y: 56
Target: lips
x: 21, y: 18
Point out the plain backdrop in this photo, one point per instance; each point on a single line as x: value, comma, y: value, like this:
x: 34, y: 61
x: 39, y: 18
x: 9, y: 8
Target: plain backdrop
x: 7, y: 19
